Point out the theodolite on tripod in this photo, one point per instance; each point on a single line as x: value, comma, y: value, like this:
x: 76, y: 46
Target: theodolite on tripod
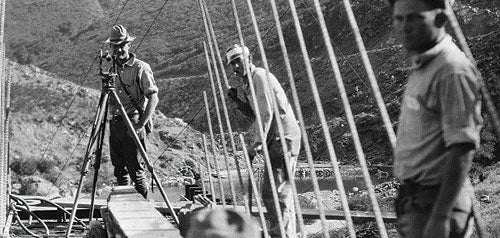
x: 95, y: 144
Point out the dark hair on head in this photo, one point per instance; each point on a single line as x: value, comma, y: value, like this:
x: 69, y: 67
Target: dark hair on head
x: 433, y: 4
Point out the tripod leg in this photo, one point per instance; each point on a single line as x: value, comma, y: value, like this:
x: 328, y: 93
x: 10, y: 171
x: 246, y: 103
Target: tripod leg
x: 97, y: 162
x: 145, y: 157
x: 96, y: 128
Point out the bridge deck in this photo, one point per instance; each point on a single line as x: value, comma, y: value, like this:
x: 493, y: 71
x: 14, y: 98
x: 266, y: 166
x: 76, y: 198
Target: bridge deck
x: 128, y: 214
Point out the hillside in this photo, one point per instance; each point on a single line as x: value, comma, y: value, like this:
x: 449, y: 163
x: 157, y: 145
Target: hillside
x: 50, y: 123
x: 54, y: 44
x: 66, y: 40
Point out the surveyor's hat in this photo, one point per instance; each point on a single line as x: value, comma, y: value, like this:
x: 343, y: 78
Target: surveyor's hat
x: 235, y: 51
x: 118, y: 35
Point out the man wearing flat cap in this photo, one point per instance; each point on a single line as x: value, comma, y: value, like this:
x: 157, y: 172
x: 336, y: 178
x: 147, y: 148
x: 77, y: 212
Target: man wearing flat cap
x: 267, y: 87
x: 138, y: 93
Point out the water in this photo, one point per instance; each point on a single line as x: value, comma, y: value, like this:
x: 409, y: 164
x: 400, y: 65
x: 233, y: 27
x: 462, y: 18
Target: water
x: 351, y: 184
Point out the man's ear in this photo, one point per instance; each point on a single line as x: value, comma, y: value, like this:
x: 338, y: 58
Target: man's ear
x: 441, y: 19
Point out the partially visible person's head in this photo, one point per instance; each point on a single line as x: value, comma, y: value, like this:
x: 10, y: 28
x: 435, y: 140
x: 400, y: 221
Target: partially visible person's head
x: 419, y: 24
x: 234, y: 58
x: 119, y: 41
x: 434, y: 4
x: 221, y: 223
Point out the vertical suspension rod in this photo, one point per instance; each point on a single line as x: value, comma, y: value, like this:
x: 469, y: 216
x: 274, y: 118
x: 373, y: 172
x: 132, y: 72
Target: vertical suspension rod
x: 214, y: 152
x: 298, y: 109
x: 209, y: 170
x: 222, y: 94
x: 322, y: 118
x: 258, y: 116
x: 347, y: 107
x: 253, y: 184
x: 221, y: 129
x: 369, y: 71
x: 202, y: 177
x: 465, y: 47
x: 283, y: 144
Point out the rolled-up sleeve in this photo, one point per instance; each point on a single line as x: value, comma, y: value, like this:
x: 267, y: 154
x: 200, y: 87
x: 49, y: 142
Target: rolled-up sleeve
x: 460, y: 105
x: 263, y: 94
x: 147, y: 81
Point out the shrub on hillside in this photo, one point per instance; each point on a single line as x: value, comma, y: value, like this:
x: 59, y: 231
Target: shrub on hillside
x: 24, y: 166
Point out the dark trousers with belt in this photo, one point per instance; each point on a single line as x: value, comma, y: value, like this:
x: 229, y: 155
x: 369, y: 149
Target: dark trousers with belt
x: 125, y: 155
x: 414, y: 206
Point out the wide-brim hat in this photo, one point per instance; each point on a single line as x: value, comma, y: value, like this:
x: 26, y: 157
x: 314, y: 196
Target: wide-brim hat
x: 118, y: 35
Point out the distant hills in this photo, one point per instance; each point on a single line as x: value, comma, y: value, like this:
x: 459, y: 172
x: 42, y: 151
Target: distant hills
x: 63, y: 38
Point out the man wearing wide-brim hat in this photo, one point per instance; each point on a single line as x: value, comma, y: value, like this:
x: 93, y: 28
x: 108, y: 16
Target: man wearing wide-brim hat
x: 138, y: 93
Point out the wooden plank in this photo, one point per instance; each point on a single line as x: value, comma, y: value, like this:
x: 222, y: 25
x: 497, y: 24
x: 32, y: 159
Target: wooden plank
x: 133, y: 216
x: 144, y: 223
x: 357, y: 216
x: 162, y: 233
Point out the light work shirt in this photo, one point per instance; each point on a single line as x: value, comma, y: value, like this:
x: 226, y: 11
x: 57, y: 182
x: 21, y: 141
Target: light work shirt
x: 441, y: 107
x: 138, y: 78
x: 265, y: 89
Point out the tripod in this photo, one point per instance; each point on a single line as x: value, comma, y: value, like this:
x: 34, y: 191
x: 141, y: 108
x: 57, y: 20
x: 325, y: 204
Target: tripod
x: 96, y: 140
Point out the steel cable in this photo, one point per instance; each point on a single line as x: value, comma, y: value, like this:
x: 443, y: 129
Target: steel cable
x: 74, y: 96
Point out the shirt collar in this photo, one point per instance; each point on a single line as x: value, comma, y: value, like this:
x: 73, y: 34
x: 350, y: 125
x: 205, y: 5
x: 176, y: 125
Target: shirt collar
x: 418, y: 60
x: 131, y: 60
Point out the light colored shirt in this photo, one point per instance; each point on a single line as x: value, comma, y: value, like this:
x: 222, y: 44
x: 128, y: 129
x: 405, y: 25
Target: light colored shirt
x: 138, y: 78
x: 265, y: 89
x: 441, y: 107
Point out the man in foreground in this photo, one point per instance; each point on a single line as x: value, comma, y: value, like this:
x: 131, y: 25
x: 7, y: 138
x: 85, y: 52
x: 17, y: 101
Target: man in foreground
x: 438, y: 127
x: 138, y: 93
x: 266, y: 89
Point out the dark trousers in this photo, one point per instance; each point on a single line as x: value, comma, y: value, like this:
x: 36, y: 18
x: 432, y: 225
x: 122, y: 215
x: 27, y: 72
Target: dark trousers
x: 125, y: 156
x: 414, y: 206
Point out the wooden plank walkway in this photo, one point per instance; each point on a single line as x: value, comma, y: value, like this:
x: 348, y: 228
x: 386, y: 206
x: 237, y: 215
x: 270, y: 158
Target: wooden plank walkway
x: 357, y: 216
x: 128, y: 214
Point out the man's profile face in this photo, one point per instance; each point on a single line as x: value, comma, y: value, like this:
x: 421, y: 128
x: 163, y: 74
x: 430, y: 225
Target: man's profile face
x: 415, y: 24
x: 120, y: 50
x: 238, y: 67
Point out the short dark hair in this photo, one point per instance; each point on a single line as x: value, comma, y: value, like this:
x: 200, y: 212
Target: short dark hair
x: 434, y: 4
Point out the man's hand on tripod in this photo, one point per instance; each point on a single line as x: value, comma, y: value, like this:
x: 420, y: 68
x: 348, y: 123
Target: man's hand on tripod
x: 254, y: 150
x: 137, y: 128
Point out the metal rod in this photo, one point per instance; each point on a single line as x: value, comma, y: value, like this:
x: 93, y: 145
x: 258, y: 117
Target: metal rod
x: 347, y: 107
x: 214, y: 152
x: 288, y: 157
x: 305, y: 140
x: 216, y: 102
x: 369, y: 70
x: 322, y: 118
x: 253, y: 185
x: 490, y: 106
x: 223, y: 99
x: 209, y: 170
x: 259, y: 119
x: 214, y: 40
x: 202, y: 178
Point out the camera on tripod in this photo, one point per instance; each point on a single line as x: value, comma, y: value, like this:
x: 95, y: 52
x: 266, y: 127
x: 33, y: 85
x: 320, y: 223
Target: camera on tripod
x: 108, y: 77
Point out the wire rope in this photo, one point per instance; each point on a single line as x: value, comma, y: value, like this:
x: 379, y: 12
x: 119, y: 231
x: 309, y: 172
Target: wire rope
x: 151, y: 25
x: 74, y: 96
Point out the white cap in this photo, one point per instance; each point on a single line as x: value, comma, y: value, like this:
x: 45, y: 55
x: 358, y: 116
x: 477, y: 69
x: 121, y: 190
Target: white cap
x: 235, y: 51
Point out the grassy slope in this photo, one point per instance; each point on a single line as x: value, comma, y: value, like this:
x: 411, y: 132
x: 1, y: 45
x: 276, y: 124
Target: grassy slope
x: 49, y: 140
x: 63, y: 37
